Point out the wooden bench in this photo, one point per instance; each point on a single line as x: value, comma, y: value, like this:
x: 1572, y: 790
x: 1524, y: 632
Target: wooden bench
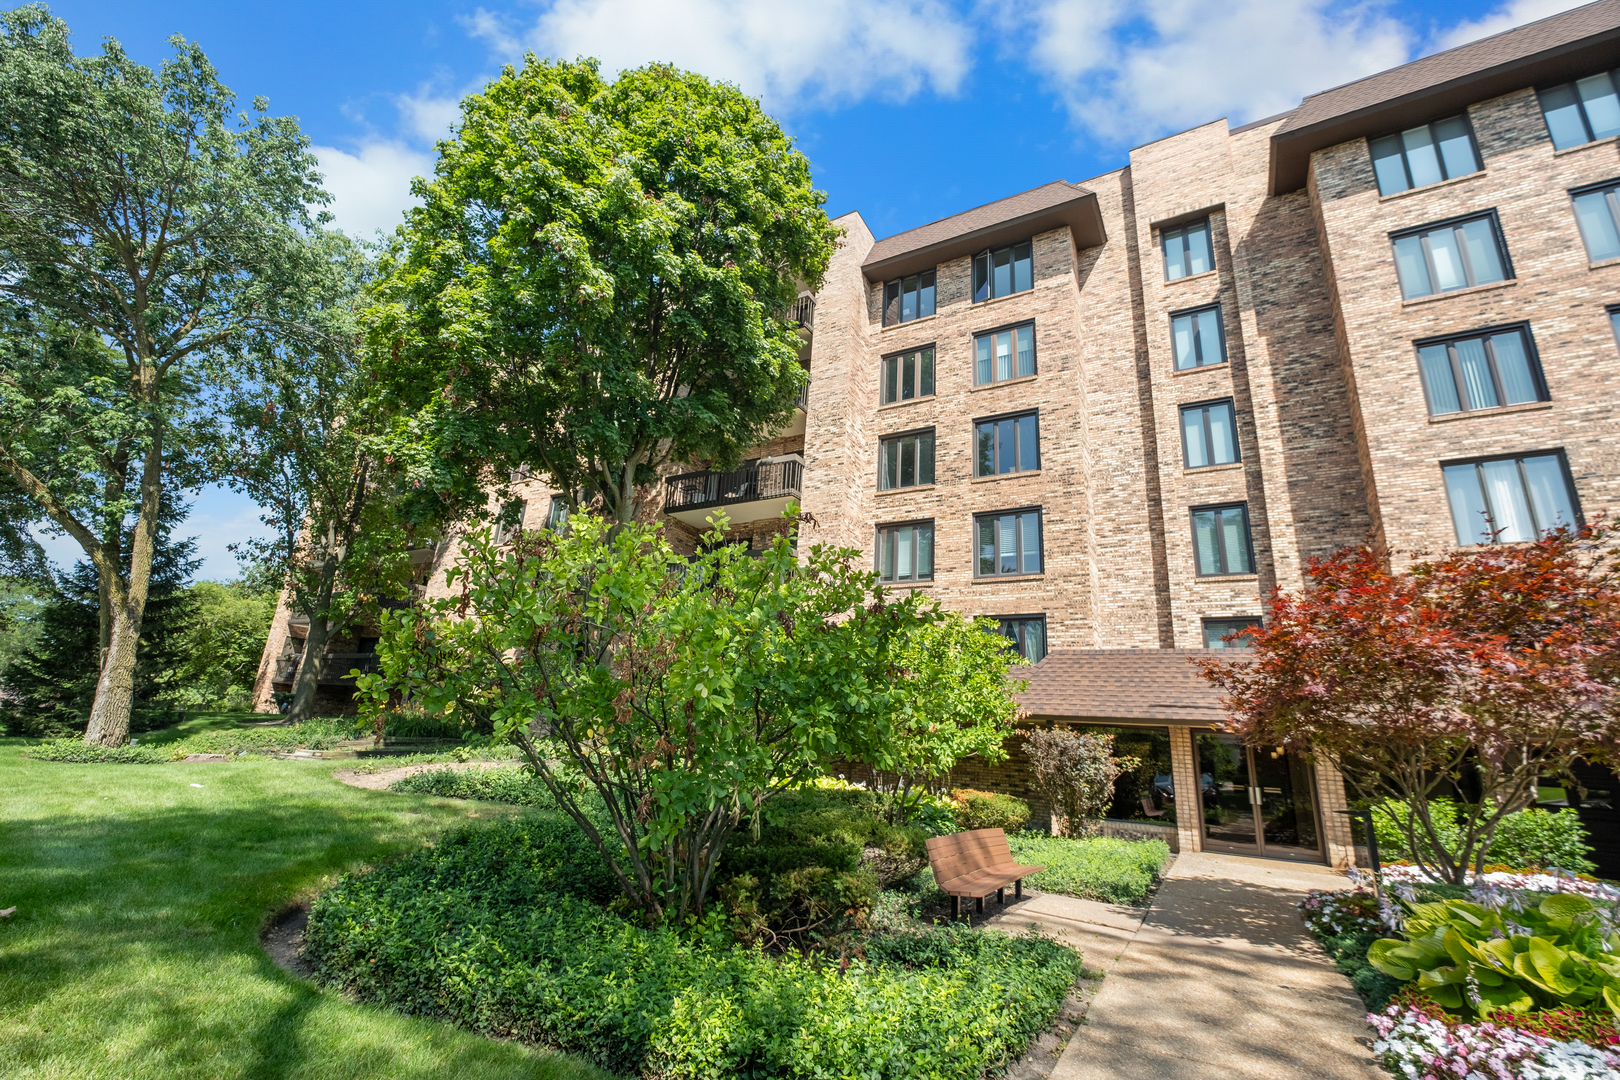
x: 976, y: 864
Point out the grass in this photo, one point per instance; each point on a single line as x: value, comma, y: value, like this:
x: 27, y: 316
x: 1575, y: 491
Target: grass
x: 1101, y: 868
x: 134, y: 953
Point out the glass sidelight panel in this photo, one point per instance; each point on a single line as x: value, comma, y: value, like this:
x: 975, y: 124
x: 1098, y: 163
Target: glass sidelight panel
x: 1287, y: 818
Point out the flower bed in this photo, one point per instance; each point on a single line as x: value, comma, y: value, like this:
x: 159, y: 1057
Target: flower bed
x: 1517, y: 880
x: 1414, y: 1043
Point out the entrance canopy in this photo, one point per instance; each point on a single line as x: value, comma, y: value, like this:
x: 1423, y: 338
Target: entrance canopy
x: 1124, y: 686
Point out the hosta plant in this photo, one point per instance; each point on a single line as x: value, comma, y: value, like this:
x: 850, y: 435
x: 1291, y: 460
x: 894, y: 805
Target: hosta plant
x: 1508, y: 954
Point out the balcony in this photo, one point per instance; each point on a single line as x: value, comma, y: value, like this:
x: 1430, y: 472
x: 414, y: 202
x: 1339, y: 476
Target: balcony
x: 803, y: 312
x: 753, y: 491
x: 335, y: 668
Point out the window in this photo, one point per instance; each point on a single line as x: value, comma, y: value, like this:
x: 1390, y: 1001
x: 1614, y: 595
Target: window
x: 1515, y: 498
x: 1002, y: 272
x: 1004, y: 354
x: 510, y: 522
x: 1009, y: 543
x: 906, y: 552
x: 1186, y: 250
x: 1597, y: 212
x: 1480, y: 372
x: 1614, y: 322
x: 1217, y: 629
x: 1424, y: 155
x: 1582, y: 111
x: 1027, y: 634
x: 1208, y: 434
x: 557, y: 514
x: 906, y: 461
x: 908, y: 375
x: 1221, y: 540
x: 1006, y: 444
x: 908, y: 298
x: 1197, y: 338
x: 1451, y: 255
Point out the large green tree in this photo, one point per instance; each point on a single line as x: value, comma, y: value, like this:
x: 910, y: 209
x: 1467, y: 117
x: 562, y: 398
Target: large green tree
x: 136, y: 209
x: 597, y: 283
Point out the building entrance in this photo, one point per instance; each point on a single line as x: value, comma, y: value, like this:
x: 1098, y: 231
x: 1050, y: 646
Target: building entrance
x: 1257, y: 800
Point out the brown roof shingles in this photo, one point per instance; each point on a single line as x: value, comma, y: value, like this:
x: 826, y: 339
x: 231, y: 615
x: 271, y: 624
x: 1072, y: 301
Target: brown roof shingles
x: 1012, y: 207
x: 1124, y: 684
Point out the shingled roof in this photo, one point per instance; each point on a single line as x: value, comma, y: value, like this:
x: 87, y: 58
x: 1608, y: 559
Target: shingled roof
x: 1554, y: 49
x: 1124, y: 684
x: 1017, y: 217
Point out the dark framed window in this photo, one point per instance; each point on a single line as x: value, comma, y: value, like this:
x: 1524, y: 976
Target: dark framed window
x: 1597, y: 213
x: 1003, y: 271
x: 557, y: 514
x: 1480, y: 371
x: 1187, y: 250
x: 908, y: 375
x: 1009, y: 543
x: 1582, y: 111
x: 906, y: 460
x: 1217, y: 630
x: 1209, y: 434
x: 1614, y: 322
x: 1006, y: 444
x: 908, y: 298
x: 1221, y: 539
x: 1004, y: 354
x: 1510, y: 499
x: 1027, y: 634
x: 906, y: 552
x: 1426, y: 154
x: 1450, y: 255
x: 511, y: 521
x: 1198, y: 338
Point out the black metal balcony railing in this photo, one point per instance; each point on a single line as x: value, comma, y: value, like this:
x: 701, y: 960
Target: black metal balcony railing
x: 802, y: 400
x: 749, y: 482
x: 335, y: 667
x: 803, y: 312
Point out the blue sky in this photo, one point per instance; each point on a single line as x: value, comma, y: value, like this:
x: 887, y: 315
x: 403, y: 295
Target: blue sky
x: 909, y: 110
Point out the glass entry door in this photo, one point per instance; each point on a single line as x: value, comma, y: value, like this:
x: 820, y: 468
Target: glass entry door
x: 1257, y: 800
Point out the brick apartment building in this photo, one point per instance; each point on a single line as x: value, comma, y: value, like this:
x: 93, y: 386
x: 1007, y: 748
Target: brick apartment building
x: 1114, y: 414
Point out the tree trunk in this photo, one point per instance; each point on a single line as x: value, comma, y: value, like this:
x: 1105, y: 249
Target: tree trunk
x: 306, y: 682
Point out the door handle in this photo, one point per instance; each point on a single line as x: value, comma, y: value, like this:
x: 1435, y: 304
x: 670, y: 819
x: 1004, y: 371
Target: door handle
x: 1254, y: 794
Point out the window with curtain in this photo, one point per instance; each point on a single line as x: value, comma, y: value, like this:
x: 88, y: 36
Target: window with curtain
x: 1027, y: 634
x: 511, y: 521
x: 1003, y: 272
x: 1510, y: 499
x: 908, y: 375
x: 1186, y: 250
x: 1006, y: 444
x: 1221, y: 540
x: 1426, y: 154
x: 906, y: 552
x: 1004, y: 354
x: 905, y: 299
x: 1009, y: 543
x: 1217, y: 630
x: 1597, y: 212
x: 1582, y: 111
x: 1209, y: 434
x: 906, y: 460
x: 1197, y: 338
x: 557, y: 514
x: 1451, y: 255
x: 1480, y: 371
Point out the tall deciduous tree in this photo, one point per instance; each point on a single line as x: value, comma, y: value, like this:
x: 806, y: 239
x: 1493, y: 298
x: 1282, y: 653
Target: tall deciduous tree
x: 1479, y: 671
x: 598, y: 282
x: 137, y: 210
x: 302, y: 435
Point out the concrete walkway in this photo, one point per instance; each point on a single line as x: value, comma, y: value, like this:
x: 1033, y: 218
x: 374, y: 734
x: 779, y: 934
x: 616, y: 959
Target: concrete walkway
x: 1219, y: 980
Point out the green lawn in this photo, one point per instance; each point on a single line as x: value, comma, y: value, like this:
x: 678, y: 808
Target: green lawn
x: 134, y: 950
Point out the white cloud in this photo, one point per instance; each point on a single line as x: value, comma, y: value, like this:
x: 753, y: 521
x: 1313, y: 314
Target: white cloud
x: 371, y: 189
x: 829, y: 53
x: 1131, y: 71
x: 427, y: 116
x: 1506, y: 17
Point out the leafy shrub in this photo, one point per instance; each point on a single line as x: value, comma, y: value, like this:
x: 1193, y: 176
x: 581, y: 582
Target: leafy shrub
x: 519, y: 787
x: 1101, y: 868
x: 988, y: 810
x: 1520, y: 957
x: 1529, y: 838
x: 499, y: 929
x: 79, y: 752
x: 415, y: 723
x: 1076, y: 771
x: 316, y: 734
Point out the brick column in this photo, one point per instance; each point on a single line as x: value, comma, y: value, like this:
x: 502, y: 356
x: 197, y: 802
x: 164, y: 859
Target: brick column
x: 1330, y: 799
x: 1189, y: 796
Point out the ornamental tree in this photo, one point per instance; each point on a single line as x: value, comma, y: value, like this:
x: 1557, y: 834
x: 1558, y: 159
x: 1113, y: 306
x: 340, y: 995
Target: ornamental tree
x: 163, y: 231
x: 597, y: 283
x: 662, y: 703
x: 1075, y: 771
x: 1478, y: 672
